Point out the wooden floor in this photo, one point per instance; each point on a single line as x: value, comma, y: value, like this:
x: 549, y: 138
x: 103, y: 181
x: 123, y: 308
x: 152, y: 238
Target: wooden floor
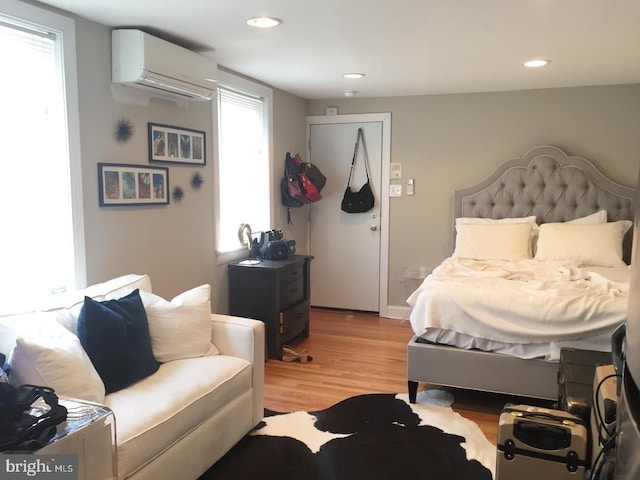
x: 356, y: 354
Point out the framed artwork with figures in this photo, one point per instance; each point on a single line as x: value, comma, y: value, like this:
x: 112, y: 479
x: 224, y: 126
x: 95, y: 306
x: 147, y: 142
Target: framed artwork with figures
x: 125, y: 184
x: 172, y: 144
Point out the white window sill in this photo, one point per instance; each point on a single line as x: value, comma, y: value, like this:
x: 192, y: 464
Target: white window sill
x: 222, y: 258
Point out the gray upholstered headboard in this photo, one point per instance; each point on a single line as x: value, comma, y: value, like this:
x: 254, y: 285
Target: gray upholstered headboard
x: 549, y: 184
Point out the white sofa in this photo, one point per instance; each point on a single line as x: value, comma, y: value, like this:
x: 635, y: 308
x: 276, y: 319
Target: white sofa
x: 175, y: 423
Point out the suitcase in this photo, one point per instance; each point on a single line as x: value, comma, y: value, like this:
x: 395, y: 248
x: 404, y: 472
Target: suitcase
x: 539, y: 443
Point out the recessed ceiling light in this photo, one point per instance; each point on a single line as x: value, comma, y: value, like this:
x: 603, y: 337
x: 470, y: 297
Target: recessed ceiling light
x: 350, y: 93
x: 264, y: 22
x: 536, y: 63
x: 353, y: 75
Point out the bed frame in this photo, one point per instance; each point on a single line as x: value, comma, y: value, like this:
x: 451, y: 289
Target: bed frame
x: 554, y: 187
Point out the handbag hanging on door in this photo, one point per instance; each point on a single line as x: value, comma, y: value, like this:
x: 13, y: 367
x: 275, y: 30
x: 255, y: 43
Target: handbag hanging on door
x: 362, y: 200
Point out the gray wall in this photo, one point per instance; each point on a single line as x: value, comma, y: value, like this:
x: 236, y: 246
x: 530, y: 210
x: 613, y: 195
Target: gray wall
x: 174, y: 244
x: 447, y: 142
x: 444, y: 142
x: 290, y: 135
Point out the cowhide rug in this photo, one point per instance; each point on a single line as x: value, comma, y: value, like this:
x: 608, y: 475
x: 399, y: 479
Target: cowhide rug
x: 378, y: 436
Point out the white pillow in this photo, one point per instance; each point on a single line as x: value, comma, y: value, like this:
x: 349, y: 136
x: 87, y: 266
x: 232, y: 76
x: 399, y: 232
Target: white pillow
x: 502, y: 241
x: 494, y: 221
x: 67, y: 305
x: 180, y: 328
x: 48, y: 354
x: 598, y: 217
x: 584, y: 244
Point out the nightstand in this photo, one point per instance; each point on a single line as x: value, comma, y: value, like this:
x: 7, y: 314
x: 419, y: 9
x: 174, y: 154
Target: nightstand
x: 276, y: 292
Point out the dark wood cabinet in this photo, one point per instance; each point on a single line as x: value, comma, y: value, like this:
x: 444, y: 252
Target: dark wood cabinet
x: 276, y: 292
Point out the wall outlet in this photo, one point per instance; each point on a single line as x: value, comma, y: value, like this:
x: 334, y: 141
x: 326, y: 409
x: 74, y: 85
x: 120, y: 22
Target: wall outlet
x: 395, y: 190
x: 396, y: 170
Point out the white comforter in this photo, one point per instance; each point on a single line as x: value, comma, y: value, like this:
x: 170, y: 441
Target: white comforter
x: 520, y: 302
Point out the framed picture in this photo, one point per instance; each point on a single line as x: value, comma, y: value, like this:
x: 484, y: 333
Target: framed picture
x: 176, y: 145
x: 121, y: 184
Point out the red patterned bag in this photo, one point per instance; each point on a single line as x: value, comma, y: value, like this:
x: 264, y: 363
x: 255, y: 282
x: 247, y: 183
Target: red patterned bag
x: 311, y: 192
x: 292, y: 188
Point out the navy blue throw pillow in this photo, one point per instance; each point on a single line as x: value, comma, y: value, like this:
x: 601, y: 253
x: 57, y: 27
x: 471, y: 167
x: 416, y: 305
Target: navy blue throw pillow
x: 115, y: 335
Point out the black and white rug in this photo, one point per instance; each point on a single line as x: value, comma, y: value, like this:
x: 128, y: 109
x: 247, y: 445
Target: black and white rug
x: 373, y: 437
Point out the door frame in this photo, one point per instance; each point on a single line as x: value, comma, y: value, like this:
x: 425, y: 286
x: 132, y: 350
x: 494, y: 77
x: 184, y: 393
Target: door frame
x: 385, y: 119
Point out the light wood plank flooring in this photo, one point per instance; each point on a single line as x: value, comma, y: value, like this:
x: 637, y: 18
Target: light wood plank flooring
x: 356, y: 354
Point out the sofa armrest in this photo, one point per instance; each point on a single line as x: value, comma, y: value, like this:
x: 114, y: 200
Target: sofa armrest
x: 238, y: 337
x: 243, y: 338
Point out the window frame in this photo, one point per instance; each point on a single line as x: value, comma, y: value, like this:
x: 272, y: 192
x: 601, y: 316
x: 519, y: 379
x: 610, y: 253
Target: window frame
x: 65, y: 28
x: 249, y: 87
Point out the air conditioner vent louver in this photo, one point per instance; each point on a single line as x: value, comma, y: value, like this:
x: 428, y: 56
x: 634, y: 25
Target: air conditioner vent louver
x: 144, y: 61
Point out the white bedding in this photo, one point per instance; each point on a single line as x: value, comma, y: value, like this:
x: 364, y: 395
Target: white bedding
x: 519, y: 302
x: 549, y: 351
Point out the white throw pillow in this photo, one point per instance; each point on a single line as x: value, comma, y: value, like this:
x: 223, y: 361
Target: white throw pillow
x: 67, y: 305
x: 502, y: 241
x: 494, y: 221
x: 584, y: 244
x: 180, y: 328
x: 48, y: 354
x: 598, y: 217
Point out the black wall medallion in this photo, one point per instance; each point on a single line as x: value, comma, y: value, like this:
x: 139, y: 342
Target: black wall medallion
x: 196, y: 181
x: 124, y: 130
x: 177, y: 193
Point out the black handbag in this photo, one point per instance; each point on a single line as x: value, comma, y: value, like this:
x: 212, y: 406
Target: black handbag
x: 273, y: 246
x: 23, y: 427
x: 276, y: 250
x: 362, y: 200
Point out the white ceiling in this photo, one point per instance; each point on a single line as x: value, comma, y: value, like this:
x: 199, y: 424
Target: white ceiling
x: 405, y: 47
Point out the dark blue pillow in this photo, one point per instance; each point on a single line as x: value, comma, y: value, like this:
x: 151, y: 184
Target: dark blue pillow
x: 115, y: 335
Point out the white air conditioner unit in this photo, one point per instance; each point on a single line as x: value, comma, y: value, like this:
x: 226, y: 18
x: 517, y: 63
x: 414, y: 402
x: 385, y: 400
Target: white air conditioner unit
x: 161, y: 68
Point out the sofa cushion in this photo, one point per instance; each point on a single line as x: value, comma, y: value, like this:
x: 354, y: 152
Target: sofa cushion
x: 180, y: 328
x: 66, y: 306
x: 47, y: 354
x: 115, y: 335
x: 158, y: 411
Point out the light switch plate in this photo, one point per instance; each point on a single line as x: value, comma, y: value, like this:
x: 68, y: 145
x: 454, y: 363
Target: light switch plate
x: 396, y: 170
x: 395, y: 190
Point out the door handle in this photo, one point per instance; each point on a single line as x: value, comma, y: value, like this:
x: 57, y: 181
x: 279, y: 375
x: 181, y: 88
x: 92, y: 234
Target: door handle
x: 373, y: 228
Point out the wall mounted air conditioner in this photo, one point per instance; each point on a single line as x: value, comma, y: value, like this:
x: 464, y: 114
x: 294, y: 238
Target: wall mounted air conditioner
x: 161, y: 68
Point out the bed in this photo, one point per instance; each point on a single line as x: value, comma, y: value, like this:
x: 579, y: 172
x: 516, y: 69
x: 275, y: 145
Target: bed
x: 474, y: 326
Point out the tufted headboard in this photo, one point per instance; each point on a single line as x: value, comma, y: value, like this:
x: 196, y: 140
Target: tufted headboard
x: 549, y: 184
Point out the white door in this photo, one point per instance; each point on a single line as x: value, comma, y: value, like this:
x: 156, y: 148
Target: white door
x: 346, y: 271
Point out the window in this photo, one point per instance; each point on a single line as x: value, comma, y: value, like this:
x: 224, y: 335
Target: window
x: 244, y: 161
x: 41, y: 247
